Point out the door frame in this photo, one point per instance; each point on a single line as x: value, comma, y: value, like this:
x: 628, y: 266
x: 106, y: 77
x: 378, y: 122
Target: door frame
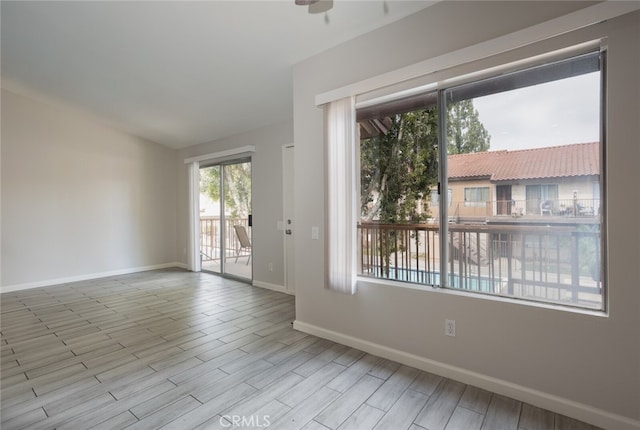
x: 193, y: 163
x: 288, y: 257
x: 504, y: 197
x: 225, y: 232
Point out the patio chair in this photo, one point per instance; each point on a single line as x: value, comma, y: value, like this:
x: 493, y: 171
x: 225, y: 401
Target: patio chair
x: 243, y: 238
x: 546, y: 207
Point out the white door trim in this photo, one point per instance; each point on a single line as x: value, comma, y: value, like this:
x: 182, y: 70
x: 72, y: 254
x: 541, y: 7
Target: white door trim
x: 289, y: 283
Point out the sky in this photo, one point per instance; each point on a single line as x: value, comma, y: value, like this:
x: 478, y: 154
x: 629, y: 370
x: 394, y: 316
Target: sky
x: 556, y: 113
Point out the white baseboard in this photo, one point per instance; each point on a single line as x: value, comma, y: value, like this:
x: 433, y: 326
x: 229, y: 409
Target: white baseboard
x: 274, y: 287
x: 85, y: 277
x: 534, y: 397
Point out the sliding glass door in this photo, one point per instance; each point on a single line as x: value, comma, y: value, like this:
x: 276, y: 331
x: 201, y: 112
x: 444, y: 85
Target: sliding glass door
x: 225, y: 218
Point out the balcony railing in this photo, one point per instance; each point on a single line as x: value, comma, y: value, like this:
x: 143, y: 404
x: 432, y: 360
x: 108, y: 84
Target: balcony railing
x: 576, y: 208
x: 210, y: 237
x: 558, y: 264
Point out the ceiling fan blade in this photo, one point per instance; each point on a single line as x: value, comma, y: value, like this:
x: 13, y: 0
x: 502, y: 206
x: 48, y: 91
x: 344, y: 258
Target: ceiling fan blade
x: 320, y: 6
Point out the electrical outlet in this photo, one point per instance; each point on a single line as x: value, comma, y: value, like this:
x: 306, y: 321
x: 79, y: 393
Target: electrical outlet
x: 270, y: 267
x: 450, y: 327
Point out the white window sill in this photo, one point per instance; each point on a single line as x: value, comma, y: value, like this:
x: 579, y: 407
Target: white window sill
x: 429, y: 289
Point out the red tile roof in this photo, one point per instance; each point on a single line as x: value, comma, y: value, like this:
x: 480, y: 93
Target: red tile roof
x: 580, y: 159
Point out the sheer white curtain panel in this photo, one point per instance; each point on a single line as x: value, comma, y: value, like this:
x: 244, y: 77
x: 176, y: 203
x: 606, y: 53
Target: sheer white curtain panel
x: 193, y: 255
x: 342, y: 195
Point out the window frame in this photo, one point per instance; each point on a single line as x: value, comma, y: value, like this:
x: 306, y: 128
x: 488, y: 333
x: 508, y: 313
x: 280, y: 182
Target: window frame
x: 444, y: 199
x: 477, y: 203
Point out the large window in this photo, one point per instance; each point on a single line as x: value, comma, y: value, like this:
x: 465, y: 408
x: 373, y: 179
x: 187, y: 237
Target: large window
x: 519, y: 154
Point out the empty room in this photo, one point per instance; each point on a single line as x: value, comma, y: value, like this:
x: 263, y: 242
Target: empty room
x: 320, y: 215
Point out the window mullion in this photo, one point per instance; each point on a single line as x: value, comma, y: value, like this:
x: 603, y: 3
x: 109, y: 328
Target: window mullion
x: 444, y: 185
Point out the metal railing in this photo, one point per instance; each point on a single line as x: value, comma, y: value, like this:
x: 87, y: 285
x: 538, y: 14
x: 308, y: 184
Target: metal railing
x: 528, y: 208
x: 559, y: 264
x: 210, y: 237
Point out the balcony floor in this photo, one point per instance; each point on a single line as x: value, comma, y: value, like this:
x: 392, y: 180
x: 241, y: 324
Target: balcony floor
x: 239, y: 269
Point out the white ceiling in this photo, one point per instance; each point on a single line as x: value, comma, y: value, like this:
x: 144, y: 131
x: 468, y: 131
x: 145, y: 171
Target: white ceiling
x: 177, y: 73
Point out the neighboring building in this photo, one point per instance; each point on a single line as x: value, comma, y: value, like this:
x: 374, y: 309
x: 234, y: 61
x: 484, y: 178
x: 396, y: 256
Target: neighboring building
x: 558, y: 181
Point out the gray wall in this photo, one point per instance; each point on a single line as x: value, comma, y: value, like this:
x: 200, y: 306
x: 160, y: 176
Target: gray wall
x: 577, y: 357
x: 80, y: 199
x: 268, y: 241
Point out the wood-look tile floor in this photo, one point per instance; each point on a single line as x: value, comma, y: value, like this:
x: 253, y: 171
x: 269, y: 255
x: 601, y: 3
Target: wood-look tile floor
x: 172, y: 349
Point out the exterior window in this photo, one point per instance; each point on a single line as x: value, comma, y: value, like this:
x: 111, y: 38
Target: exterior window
x: 476, y: 196
x: 521, y: 162
x: 542, y: 199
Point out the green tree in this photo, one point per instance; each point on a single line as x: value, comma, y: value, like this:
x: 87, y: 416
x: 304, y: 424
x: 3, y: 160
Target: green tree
x: 398, y: 167
x: 237, y: 187
x: 465, y: 132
